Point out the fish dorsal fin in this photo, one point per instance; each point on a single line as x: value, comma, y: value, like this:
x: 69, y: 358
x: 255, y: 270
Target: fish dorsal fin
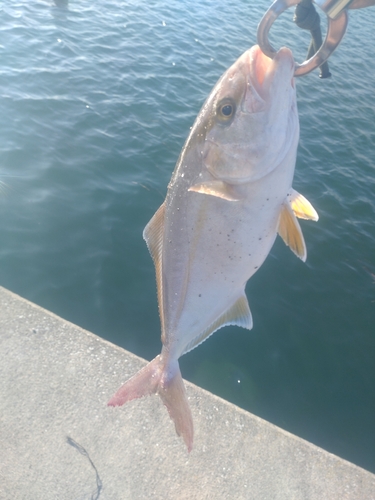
x: 216, y: 188
x: 290, y: 231
x: 153, y: 235
x: 301, y: 207
x: 238, y: 314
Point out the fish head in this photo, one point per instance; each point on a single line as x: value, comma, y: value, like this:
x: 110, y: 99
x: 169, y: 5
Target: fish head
x: 250, y: 121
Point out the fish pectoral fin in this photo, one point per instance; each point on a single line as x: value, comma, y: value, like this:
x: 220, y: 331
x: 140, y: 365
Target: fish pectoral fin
x: 216, y: 188
x: 153, y: 235
x: 238, y: 314
x: 301, y: 207
x: 290, y: 231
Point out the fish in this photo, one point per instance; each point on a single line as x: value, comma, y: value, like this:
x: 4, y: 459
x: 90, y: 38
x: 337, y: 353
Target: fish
x: 229, y: 196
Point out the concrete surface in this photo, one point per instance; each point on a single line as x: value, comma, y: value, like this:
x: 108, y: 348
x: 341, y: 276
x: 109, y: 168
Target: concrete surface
x: 59, y: 440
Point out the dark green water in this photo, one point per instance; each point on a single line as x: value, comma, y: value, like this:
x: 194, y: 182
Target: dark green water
x: 96, y: 100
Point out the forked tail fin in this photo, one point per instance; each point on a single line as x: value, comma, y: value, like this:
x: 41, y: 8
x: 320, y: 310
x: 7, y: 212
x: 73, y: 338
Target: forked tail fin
x: 164, y: 379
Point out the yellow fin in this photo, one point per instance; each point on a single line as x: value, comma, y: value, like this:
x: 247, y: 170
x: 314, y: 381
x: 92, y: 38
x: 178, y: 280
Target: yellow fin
x: 290, y: 231
x: 153, y: 235
x: 219, y: 189
x: 238, y: 314
x: 301, y: 207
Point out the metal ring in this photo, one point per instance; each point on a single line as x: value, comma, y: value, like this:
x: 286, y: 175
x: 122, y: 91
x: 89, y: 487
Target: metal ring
x: 335, y: 32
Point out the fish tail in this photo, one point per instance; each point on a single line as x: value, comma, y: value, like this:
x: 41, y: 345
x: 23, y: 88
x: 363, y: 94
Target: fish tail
x: 159, y: 377
x: 143, y: 383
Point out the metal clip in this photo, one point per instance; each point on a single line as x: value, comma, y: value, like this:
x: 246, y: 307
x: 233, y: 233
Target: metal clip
x: 333, y: 8
x: 337, y: 23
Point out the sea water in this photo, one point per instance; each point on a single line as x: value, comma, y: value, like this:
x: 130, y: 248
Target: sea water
x: 96, y: 100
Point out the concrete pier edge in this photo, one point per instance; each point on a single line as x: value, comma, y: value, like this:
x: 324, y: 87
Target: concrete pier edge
x: 59, y: 440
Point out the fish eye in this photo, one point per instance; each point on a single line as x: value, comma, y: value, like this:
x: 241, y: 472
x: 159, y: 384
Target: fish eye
x: 225, y: 110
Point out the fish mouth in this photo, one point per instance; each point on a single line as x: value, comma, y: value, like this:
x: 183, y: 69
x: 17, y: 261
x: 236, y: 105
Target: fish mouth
x: 263, y: 70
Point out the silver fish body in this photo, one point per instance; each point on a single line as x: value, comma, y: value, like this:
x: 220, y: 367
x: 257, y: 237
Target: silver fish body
x: 230, y: 194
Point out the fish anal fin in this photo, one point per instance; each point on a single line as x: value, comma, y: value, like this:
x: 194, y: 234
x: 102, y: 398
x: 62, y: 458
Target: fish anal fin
x: 164, y: 379
x: 290, y: 231
x: 301, y: 207
x: 238, y: 314
x: 216, y: 188
x: 153, y: 235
